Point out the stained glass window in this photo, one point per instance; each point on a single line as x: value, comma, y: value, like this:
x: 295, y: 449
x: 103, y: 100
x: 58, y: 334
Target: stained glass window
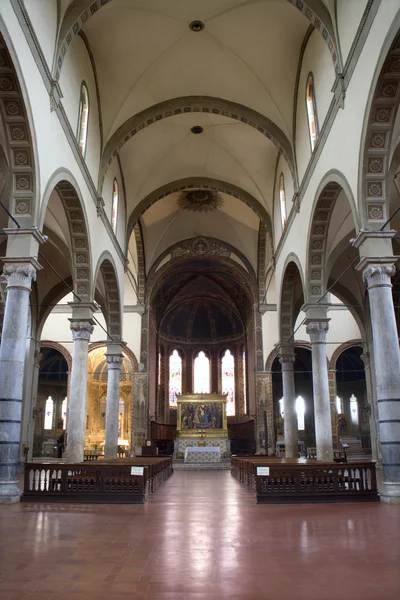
x: 201, y: 374
x: 244, y: 385
x: 311, y: 112
x: 64, y: 412
x: 175, y: 377
x: 282, y: 199
x: 114, y: 214
x: 228, y: 381
x: 83, y: 119
x: 338, y: 405
x: 48, y: 416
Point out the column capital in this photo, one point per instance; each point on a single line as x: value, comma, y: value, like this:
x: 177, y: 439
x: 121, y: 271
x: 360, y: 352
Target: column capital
x: 286, y: 355
x: 20, y: 272
x: 377, y: 271
x: 317, y: 329
x: 114, y: 361
x: 81, y: 329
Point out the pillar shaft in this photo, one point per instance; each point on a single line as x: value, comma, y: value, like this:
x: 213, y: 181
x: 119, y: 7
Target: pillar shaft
x: 19, y: 277
x: 289, y: 403
x: 317, y: 330
x: 114, y: 363
x: 387, y: 371
x: 81, y: 332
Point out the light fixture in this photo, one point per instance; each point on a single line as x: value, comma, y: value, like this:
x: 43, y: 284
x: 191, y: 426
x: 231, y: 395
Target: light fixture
x: 196, y: 26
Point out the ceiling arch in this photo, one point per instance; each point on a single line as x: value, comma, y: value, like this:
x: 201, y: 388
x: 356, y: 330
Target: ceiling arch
x: 203, y: 183
x: 81, y: 11
x: 195, y: 104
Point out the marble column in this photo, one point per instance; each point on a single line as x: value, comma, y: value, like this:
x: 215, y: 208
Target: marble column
x: 19, y: 274
x: 287, y: 359
x: 114, y: 363
x: 377, y: 274
x: 82, y: 328
x: 317, y: 330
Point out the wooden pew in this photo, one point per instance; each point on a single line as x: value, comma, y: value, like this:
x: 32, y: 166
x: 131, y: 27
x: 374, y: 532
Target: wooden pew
x: 95, y: 482
x: 303, y: 481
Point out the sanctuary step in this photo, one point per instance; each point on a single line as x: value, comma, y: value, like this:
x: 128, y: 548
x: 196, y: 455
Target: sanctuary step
x: 180, y: 465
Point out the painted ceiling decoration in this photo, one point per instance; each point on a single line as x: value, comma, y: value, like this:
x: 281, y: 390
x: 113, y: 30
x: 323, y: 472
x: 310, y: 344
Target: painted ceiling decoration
x: 200, y: 201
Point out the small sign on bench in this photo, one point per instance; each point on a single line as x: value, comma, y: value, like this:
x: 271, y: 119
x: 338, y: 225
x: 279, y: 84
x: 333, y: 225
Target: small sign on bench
x: 137, y: 470
x: 262, y: 470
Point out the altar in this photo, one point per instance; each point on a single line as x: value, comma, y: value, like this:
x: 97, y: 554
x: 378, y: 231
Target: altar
x: 202, y: 430
x: 202, y: 454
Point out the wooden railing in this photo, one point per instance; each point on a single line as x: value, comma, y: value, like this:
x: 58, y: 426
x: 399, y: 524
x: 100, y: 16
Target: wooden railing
x: 95, y: 482
x: 297, y: 481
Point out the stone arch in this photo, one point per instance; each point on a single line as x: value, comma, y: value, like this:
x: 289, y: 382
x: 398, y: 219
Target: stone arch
x: 60, y: 348
x: 65, y: 185
x: 141, y: 266
x: 127, y: 351
x: 82, y: 10
x: 113, y: 310
x: 21, y: 149
x: 184, y: 247
x: 292, y: 274
x: 328, y: 191
x: 380, y: 117
x: 204, y: 183
x: 340, y: 349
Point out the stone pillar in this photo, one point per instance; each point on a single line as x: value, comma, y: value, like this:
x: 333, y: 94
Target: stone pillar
x: 19, y: 274
x: 114, y: 363
x: 317, y: 330
x: 82, y: 328
x: 377, y: 266
x: 377, y: 274
x: 287, y: 359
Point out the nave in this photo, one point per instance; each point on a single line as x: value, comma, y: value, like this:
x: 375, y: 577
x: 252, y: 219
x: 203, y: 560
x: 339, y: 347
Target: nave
x: 201, y: 538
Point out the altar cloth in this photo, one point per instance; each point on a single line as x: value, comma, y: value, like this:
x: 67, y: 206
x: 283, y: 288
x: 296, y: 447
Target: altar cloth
x: 202, y: 454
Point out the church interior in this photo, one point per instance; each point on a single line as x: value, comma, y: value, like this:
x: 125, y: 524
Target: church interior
x: 199, y: 299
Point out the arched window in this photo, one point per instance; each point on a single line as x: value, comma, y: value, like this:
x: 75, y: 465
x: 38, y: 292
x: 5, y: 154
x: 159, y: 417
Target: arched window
x: 354, y: 410
x: 244, y: 384
x: 175, y: 377
x: 282, y: 199
x: 339, y: 405
x: 300, y: 410
x: 64, y: 412
x: 48, y: 415
x: 201, y: 374
x: 83, y: 119
x: 121, y: 412
x: 228, y: 381
x: 311, y: 112
x: 114, y: 213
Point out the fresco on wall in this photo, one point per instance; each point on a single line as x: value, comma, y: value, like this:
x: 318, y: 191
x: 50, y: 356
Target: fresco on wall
x: 201, y: 416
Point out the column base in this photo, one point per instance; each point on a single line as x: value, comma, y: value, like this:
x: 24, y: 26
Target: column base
x: 9, y: 493
x: 390, y: 492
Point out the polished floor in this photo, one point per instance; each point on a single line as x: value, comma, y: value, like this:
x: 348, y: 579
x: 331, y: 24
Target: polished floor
x: 201, y: 537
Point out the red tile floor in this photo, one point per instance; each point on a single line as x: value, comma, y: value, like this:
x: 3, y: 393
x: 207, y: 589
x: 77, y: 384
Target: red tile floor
x: 201, y: 537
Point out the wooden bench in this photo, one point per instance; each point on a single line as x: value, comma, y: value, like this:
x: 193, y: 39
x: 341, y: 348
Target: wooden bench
x: 95, y: 482
x: 302, y: 481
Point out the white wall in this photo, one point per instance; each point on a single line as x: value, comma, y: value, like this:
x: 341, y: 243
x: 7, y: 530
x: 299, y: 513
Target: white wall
x: 76, y: 69
x: 43, y: 15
